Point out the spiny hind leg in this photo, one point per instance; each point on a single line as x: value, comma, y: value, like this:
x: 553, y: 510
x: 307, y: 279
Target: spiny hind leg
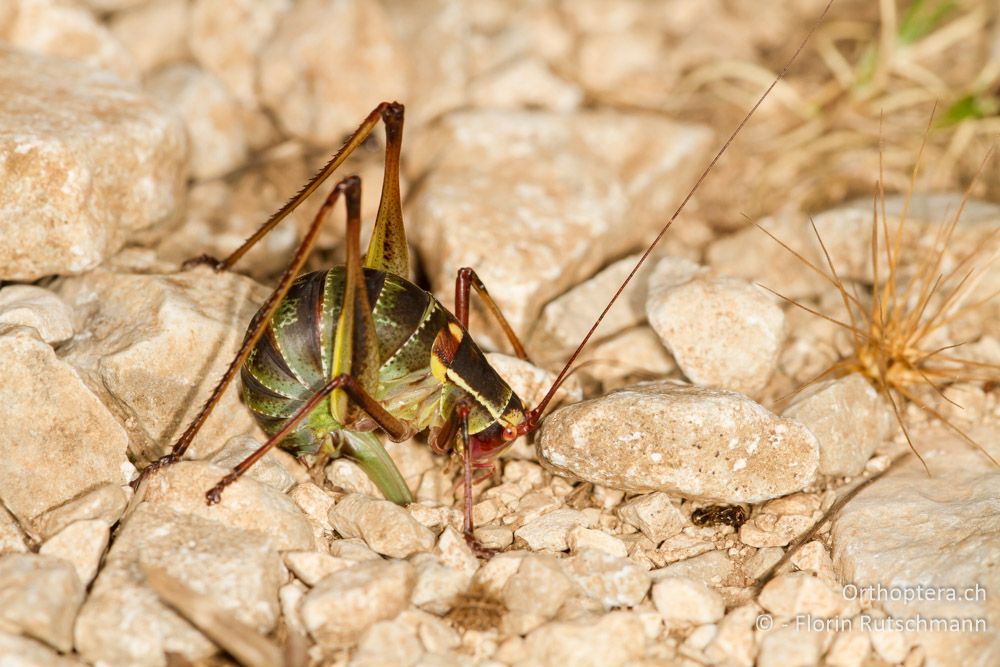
x: 252, y: 337
x: 368, y: 452
x: 465, y: 282
x: 391, y: 113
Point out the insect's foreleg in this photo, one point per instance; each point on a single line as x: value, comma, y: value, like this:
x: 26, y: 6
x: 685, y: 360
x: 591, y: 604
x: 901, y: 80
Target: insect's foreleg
x: 468, y: 525
x: 465, y: 282
x: 385, y: 110
x: 395, y: 428
x: 253, y: 336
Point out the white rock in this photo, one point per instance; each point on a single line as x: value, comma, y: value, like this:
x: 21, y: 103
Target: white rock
x: 632, y: 356
x: 393, y: 642
x: 706, y: 444
x: 849, y: 649
x: 580, y: 538
x: 226, y: 36
x: 154, y: 32
x: 80, y: 544
x: 35, y: 426
x: 63, y: 123
x: 12, y: 539
x: 349, y: 477
x: 685, y: 601
x: 386, y: 527
x: 104, y: 502
x: 124, y: 622
x: 247, y: 504
x: 342, y: 606
x: 711, y: 567
x: 654, y: 514
x: 454, y: 552
x: 40, y: 309
x: 611, y: 580
x: 733, y: 643
x: 39, y: 597
x: 312, y: 566
x: 549, y: 531
x: 437, y: 584
x: 156, y: 348
x: 290, y: 595
x: 24, y: 652
x: 849, y: 418
x: 566, y: 319
x: 780, y: 521
x: 943, y: 531
x: 315, y: 502
x: 539, y: 587
x: 788, y: 646
x: 614, y: 640
x: 525, y: 83
x: 268, y: 470
x: 789, y: 595
x: 327, y: 66
x: 210, y: 112
x: 723, y: 332
x: 58, y: 29
x: 545, y: 199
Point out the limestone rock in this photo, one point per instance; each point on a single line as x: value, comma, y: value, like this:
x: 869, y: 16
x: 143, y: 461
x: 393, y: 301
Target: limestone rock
x: 566, y: 319
x: 211, y: 114
x: 706, y: 444
x: 549, y: 531
x: 788, y: 595
x: 611, y: 580
x: 247, y: 504
x: 943, y: 532
x: 526, y: 83
x: 346, y: 603
x: 681, y: 600
x: 38, y: 308
x: 71, y: 32
x: 734, y: 642
x: 789, y: 646
x: 710, y: 567
x: 80, y: 544
x: 158, y: 345
x: 613, y: 640
x: 654, y: 514
x: 580, y: 538
x: 437, y: 584
x: 386, y: 527
x: 36, y: 427
x: 850, y: 420
x: 268, y: 470
x: 723, y: 332
x: 778, y: 522
x: 61, y: 124
x: 312, y: 566
x: 544, y: 199
x: 12, y: 539
x: 154, y: 32
x: 39, y: 597
x: 105, y: 502
x: 124, y: 622
x: 20, y: 651
x: 539, y: 587
x: 327, y: 66
x: 632, y: 356
x: 226, y: 37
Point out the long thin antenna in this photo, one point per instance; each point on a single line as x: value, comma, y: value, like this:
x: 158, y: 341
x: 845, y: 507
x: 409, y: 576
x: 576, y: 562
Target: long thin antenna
x: 536, y: 413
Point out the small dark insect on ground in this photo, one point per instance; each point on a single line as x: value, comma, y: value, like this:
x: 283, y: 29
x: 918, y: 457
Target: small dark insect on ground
x: 714, y: 515
x: 476, y: 609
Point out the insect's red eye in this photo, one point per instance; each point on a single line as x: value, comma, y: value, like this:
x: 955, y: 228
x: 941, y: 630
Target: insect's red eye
x: 509, y: 433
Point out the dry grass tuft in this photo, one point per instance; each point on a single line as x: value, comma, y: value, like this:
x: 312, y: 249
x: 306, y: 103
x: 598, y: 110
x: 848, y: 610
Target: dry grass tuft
x: 899, y: 329
x: 476, y: 610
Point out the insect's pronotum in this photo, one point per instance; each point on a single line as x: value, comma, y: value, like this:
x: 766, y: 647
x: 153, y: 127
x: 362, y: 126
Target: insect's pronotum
x: 333, y: 355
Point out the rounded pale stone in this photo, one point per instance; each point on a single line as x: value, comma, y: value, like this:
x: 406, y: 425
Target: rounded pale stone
x: 386, y: 527
x: 611, y: 580
x: 681, y: 600
x: 849, y: 418
x: 327, y: 66
x: 80, y: 544
x: 723, y: 332
x: 62, y: 125
x: 155, y: 32
x: 36, y: 426
x: 39, y: 597
x: 613, y: 640
x: 345, y: 604
x: 800, y: 593
x: 211, y: 114
x: 706, y: 444
x: 38, y: 308
x: 123, y: 621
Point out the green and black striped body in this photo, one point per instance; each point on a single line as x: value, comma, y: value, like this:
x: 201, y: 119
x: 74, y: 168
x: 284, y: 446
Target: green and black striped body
x: 428, y: 362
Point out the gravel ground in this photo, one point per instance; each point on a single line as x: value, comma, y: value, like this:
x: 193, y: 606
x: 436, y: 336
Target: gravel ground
x: 544, y: 146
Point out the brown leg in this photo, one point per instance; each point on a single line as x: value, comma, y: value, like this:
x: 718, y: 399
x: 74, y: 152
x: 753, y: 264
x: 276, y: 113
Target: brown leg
x: 254, y: 335
x: 390, y: 112
x: 464, y: 283
x: 468, y: 527
x: 393, y: 426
